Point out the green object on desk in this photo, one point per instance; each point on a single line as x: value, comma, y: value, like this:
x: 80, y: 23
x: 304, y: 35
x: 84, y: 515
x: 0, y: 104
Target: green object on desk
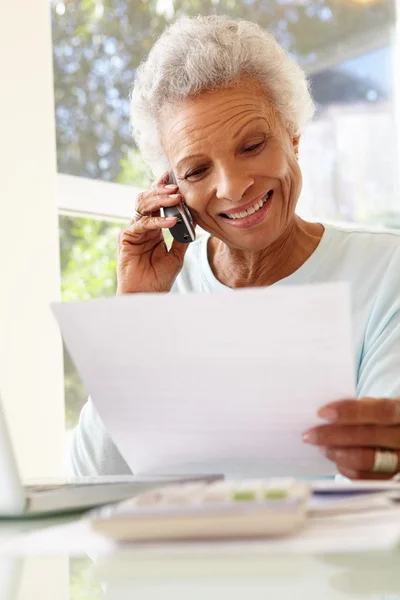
x: 275, y: 494
x: 243, y: 495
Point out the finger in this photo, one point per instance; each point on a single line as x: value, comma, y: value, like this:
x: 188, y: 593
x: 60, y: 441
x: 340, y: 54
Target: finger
x: 368, y: 436
x: 164, y: 189
x: 135, y: 231
x: 148, y: 203
x: 354, y: 474
x: 359, y: 459
x: 178, y: 250
x: 163, y: 179
x: 379, y: 411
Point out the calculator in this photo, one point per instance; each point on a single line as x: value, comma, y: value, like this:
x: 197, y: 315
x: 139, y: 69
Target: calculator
x: 208, y: 510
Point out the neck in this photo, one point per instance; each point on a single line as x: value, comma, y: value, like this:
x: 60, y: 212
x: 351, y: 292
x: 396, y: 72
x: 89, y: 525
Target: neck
x: 237, y: 268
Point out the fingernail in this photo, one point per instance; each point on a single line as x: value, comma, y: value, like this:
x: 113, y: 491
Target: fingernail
x: 310, y: 437
x: 329, y: 414
x: 171, y: 186
x: 323, y: 450
x: 175, y: 196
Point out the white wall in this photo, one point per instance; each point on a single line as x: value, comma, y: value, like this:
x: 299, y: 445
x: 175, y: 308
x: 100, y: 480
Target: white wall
x: 31, y: 380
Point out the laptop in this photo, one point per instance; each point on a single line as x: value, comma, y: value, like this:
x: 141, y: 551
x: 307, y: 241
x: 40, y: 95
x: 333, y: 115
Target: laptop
x: 17, y: 500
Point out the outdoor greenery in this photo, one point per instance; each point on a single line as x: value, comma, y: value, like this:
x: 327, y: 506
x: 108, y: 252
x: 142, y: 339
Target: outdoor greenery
x: 83, y: 584
x: 98, y: 45
x: 88, y: 270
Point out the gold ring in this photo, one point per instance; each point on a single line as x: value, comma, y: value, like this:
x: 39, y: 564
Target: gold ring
x: 137, y: 215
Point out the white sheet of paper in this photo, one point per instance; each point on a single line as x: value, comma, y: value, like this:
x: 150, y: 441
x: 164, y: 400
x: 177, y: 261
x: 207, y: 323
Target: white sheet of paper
x: 223, y: 382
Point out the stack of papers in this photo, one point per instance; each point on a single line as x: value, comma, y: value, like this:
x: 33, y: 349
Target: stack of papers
x: 215, y: 383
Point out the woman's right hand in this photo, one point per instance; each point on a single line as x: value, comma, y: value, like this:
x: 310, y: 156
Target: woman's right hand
x: 144, y: 262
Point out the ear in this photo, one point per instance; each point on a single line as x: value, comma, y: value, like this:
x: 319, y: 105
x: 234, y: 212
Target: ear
x: 296, y: 144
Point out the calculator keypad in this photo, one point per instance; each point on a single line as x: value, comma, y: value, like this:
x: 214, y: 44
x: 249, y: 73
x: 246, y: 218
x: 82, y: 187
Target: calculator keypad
x: 223, y: 509
x: 223, y: 492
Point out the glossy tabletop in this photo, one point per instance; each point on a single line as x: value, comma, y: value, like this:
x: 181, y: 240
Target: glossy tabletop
x: 193, y: 571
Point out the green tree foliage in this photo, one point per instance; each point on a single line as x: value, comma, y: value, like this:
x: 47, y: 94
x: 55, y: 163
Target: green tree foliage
x: 88, y: 270
x: 88, y: 257
x: 99, y: 44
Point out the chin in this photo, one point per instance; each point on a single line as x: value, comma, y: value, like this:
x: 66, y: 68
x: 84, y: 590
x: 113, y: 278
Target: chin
x: 251, y: 242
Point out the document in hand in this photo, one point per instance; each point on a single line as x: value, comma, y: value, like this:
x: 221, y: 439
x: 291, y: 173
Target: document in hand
x: 222, y: 382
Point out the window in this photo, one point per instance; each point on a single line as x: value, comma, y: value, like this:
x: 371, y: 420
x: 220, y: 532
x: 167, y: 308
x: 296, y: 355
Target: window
x: 355, y: 179
x: 346, y: 47
x: 88, y: 269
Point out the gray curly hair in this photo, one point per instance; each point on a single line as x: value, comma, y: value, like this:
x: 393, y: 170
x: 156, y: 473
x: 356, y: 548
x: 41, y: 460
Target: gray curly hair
x: 199, y: 54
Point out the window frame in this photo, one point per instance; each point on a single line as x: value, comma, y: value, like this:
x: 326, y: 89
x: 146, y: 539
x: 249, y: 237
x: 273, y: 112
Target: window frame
x: 95, y: 198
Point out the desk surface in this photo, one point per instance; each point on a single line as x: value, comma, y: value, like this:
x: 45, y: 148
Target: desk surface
x: 234, y: 572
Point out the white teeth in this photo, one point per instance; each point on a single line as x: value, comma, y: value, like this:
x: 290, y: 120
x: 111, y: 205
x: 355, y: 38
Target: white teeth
x: 251, y: 210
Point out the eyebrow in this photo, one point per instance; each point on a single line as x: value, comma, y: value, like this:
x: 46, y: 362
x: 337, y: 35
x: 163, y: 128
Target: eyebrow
x: 189, y: 157
x: 192, y: 156
x: 247, y: 125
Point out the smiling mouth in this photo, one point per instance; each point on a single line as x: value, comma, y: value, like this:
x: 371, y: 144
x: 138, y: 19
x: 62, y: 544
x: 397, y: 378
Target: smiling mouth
x: 250, y: 211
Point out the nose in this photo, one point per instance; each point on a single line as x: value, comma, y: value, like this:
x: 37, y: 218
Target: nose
x: 232, y: 183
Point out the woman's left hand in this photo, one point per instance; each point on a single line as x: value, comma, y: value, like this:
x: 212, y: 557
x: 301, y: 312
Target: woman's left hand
x: 357, y: 429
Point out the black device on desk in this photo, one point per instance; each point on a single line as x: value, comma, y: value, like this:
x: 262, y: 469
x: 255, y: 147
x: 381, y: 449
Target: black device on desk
x: 183, y: 231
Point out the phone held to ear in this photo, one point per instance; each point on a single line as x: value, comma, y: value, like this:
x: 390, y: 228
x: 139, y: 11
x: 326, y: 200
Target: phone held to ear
x: 183, y: 231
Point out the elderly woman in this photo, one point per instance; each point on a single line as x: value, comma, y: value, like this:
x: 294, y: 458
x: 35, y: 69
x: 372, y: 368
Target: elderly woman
x: 221, y: 105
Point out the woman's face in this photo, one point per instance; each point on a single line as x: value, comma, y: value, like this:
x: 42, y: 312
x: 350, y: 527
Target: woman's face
x: 235, y: 164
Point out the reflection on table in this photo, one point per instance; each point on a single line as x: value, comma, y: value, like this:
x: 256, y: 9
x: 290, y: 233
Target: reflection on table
x: 143, y: 576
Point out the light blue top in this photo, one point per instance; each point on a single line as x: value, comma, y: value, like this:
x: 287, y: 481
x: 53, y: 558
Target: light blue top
x: 368, y: 260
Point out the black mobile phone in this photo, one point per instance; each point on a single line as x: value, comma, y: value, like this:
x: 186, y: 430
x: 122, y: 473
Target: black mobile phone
x: 183, y: 231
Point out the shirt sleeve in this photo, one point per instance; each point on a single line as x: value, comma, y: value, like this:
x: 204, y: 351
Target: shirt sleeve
x: 91, y: 451
x: 379, y: 372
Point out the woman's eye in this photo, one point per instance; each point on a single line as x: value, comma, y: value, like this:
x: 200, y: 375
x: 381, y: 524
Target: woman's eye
x: 195, y: 173
x: 253, y: 147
